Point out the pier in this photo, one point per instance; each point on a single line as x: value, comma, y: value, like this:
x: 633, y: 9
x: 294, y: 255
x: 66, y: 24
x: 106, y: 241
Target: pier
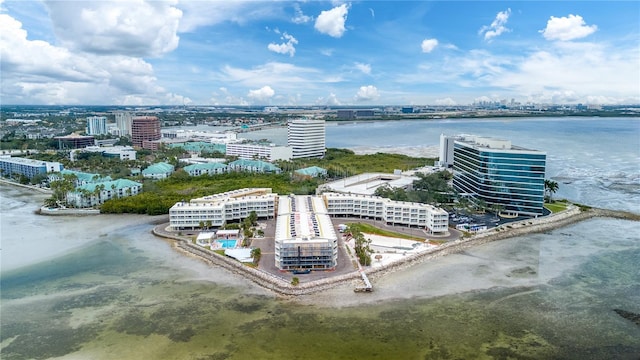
x: 367, y: 284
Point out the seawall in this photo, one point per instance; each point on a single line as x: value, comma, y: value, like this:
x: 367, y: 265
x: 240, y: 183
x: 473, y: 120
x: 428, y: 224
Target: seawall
x: 278, y: 285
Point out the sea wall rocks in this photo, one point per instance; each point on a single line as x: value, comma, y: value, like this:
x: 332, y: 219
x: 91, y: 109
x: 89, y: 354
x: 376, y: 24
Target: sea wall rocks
x: 572, y: 215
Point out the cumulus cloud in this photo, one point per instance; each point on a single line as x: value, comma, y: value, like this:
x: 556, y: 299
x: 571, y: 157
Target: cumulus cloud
x: 36, y: 72
x: 130, y: 28
x: 567, y: 28
x: 287, y: 76
x: 287, y: 47
x: 446, y: 101
x: 497, y: 27
x: 330, y: 100
x: 367, y: 93
x: 331, y: 22
x: 428, y: 45
x: 365, y: 68
x: 300, y: 17
x: 261, y: 95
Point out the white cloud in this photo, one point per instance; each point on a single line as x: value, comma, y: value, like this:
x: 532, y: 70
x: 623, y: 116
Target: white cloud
x: 300, y: 17
x: 428, y: 45
x: 289, y: 77
x: 331, y: 22
x: 287, y: 47
x: 130, y: 28
x: 497, y: 27
x: 261, y: 95
x: 327, y: 52
x: 365, y: 68
x: 445, y: 101
x: 206, y: 13
x: 567, y: 28
x: 367, y: 93
x: 36, y: 72
x: 330, y: 100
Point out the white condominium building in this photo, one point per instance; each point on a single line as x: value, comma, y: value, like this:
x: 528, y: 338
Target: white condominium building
x: 434, y: 219
x: 305, y: 237
x: 307, y: 138
x: 256, y: 151
x: 220, y: 208
x: 123, y: 122
x: 96, y: 125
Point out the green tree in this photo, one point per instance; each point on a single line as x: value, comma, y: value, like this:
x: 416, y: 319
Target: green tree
x: 496, y: 208
x: 256, y: 254
x: 362, y: 249
x: 550, y: 188
x: 253, y: 218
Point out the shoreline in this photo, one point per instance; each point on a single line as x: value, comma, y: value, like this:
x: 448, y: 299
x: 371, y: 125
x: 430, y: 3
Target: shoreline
x: 572, y: 215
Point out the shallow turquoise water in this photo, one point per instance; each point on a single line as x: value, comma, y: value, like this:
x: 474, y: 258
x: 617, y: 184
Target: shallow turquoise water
x: 110, y: 299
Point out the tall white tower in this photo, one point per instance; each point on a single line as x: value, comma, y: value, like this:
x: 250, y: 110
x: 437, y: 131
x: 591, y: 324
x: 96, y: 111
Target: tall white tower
x: 123, y: 122
x: 96, y: 125
x: 306, y: 138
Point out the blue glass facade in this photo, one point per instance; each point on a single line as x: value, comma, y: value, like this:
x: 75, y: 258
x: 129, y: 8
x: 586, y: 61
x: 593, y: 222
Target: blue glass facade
x: 511, y: 178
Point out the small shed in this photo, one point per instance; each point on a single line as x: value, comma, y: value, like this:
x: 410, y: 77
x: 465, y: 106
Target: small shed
x: 204, y: 238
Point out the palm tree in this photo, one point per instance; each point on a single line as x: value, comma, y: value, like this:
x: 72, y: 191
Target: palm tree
x: 550, y: 187
x: 497, y: 208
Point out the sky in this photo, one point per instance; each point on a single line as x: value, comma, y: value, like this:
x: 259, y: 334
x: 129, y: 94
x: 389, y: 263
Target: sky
x: 300, y: 53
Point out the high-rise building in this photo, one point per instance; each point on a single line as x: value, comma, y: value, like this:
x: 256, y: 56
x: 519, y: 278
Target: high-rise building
x: 499, y: 173
x: 143, y: 130
x: 123, y: 122
x: 96, y: 125
x: 306, y: 138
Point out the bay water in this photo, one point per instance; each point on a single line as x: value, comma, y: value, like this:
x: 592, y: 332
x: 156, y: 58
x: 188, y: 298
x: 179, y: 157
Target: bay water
x: 103, y: 287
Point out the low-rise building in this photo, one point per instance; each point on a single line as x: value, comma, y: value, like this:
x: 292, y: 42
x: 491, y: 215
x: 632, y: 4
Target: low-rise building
x: 211, y: 168
x: 253, y: 166
x: 368, y: 183
x: 311, y: 172
x: 404, y: 213
x: 221, y: 208
x: 96, y: 193
x: 158, y: 171
x: 249, y: 151
x: 16, y: 166
x: 120, y: 152
x: 305, y: 237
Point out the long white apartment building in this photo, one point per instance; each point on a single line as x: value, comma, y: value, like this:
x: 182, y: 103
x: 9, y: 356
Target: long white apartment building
x: 433, y: 219
x: 252, y: 151
x: 307, y: 138
x: 305, y: 237
x: 223, y: 207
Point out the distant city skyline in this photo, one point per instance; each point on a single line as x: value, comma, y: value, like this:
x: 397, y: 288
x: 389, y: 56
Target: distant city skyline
x: 324, y: 53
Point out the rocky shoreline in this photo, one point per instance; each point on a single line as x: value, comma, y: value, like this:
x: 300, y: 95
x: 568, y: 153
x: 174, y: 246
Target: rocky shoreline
x: 572, y: 215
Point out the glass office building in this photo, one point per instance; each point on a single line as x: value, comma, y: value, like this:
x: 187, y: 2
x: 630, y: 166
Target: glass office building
x: 499, y: 173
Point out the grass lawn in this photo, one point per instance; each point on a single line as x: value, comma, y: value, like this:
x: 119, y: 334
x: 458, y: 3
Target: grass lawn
x: 370, y: 229
x: 556, y: 206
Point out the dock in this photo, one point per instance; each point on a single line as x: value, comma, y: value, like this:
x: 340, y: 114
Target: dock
x: 367, y: 284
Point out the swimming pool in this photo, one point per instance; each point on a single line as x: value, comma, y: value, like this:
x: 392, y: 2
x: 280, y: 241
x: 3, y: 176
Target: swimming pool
x: 227, y: 244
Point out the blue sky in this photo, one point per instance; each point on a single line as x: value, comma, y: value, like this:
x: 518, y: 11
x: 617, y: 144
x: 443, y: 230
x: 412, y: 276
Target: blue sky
x: 139, y: 52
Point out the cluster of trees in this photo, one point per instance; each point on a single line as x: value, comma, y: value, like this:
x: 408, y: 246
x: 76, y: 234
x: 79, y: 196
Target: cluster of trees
x: 363, y: 251
x: 430, y: 188
x: 343, y: 162
x: 60, y: 190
